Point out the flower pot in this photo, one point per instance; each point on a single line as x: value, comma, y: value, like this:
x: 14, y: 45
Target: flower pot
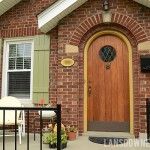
x: 64, y: 145
x: 72, y: 136
x: 52, y: 146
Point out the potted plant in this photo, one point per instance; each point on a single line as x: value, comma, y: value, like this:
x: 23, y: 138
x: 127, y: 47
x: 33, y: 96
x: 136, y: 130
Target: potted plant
x: 46, y: 134
x: 52, y: 140
x: 45, y: 137
x: 71, y: 132
x: 63, y: 141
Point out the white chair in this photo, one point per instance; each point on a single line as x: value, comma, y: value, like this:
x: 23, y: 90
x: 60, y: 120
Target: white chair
x: 10, y: 115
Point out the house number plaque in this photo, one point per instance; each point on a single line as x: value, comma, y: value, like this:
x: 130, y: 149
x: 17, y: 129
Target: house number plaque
x: 67, y: 62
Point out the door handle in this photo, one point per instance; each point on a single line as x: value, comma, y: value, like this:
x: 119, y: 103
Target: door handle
x: 89, y: 90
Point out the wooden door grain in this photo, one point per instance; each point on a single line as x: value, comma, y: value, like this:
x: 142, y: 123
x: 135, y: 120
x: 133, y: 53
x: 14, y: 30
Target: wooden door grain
x: 108, y: 89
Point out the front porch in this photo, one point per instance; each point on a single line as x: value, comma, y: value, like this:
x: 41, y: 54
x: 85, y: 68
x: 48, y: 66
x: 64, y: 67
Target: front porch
x: 82, y: 143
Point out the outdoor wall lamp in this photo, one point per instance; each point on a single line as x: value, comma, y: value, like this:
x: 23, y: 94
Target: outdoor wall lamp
x: 105, y: 5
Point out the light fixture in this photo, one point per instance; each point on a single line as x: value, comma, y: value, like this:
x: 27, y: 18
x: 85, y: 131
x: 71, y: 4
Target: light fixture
x: 1, y: 0
x: 105, y: 5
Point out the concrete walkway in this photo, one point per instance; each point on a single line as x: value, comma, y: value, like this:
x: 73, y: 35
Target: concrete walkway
x: 82, y: 143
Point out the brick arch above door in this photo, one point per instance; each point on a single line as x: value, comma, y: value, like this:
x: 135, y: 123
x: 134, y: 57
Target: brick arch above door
x: 131, y: 24
x: 133, y: 42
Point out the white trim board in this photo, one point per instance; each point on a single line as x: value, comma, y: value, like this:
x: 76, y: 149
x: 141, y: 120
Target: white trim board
x: 143, y: 2
x: 49, y: 18
x: 5, y: 65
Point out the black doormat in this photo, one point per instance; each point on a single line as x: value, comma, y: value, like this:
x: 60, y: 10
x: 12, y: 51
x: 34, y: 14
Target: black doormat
x: 108, y: 140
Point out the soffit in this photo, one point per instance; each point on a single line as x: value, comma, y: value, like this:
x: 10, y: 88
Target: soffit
x: 144, y: 2
x: 6, y: 5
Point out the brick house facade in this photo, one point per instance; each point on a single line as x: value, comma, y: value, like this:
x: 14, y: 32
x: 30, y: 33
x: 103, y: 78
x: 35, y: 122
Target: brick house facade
x: 67, y: 83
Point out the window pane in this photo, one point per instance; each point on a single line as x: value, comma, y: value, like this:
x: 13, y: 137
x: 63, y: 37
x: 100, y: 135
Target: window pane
x: 27, y: 51
x: 12, y: 63
x: 27, y: 63
x: 19, y: 59
x: 20, y: 49
x: 19, y: 84
x: 21, y: 54
x: 12, y: 50
x: 19, y: 63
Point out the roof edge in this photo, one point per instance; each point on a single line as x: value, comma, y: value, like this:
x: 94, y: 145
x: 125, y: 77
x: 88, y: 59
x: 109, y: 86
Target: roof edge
x: 49, y: 18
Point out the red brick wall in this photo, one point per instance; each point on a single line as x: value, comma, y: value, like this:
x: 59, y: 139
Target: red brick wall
x: 66, y: 86
x: 21, y: 20
x: 53, y: 66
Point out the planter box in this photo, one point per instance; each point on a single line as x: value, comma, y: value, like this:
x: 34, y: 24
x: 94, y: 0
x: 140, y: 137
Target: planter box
x: 63, y: 146
x: 52, y: 146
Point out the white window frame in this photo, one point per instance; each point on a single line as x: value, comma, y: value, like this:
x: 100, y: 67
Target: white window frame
x: 5, y: 66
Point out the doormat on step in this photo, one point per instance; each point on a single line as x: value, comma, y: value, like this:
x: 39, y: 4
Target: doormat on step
x: 108, y: 140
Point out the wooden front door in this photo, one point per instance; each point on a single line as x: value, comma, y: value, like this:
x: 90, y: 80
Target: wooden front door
x: 108, y: 85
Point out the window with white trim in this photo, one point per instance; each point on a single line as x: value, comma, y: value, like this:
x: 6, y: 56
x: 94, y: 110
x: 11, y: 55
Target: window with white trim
x: 19, y: 69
